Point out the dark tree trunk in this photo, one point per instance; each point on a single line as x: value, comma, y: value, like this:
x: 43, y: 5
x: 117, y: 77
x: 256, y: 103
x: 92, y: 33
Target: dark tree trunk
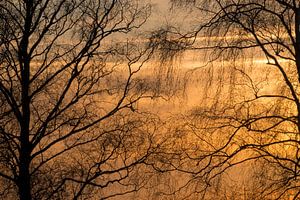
x: 25, y: 151
x: 24, y: 182
x: 24, y: 178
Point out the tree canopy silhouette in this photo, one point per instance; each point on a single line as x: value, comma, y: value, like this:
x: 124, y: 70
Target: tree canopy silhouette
x: 68, y: 126
x: 252, y: 84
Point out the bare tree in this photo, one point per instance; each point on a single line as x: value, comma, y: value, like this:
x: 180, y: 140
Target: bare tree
x: 251, y: 98
x: 68, y: 121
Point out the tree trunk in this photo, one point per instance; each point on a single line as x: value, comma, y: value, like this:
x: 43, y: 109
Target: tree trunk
x: 24, y: 182
x: 25, y: 151
x: 24, y: 178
